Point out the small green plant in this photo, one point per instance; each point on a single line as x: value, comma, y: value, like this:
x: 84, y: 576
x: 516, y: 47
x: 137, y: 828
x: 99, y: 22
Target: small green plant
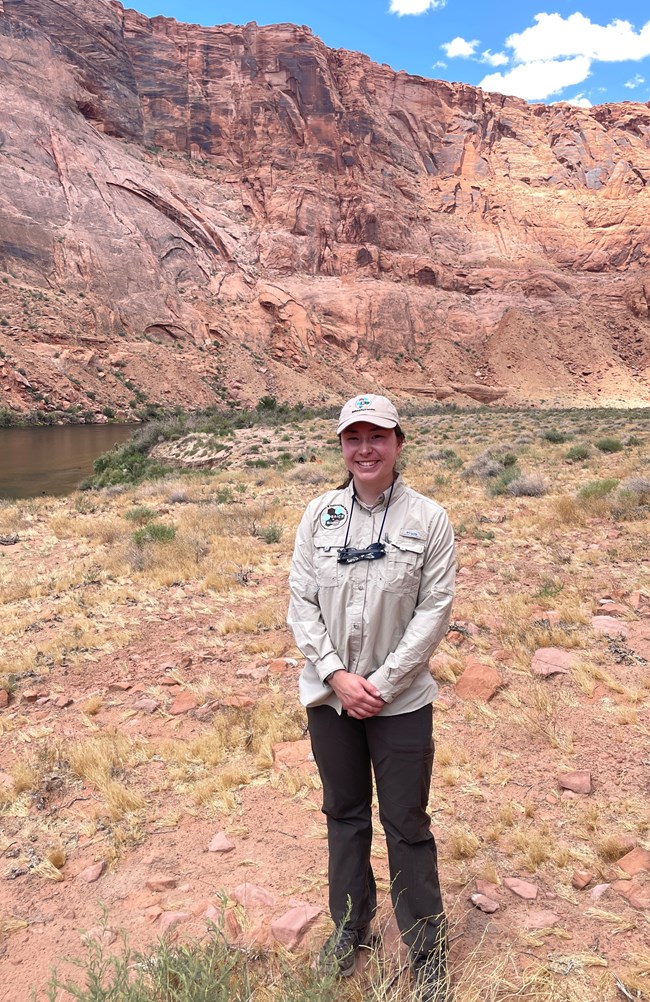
x: 577, y: 453
x: 597, y: 489
x: 154, y: 533
x: 271, y: 533
x: 501, y: 483
x: 609, y: 445
x: 555, y: 436
x: 140, y: 515
x: 108, y: 412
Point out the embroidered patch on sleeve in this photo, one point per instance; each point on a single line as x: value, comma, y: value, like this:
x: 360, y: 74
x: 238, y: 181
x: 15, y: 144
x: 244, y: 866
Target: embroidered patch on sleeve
x: 333, y: 516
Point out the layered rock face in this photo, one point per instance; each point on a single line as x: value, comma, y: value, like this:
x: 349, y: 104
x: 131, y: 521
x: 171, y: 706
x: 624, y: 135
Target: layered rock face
x: 193, y: 214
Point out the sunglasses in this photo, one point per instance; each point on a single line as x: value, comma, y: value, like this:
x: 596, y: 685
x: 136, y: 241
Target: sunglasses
x: 350, y: 554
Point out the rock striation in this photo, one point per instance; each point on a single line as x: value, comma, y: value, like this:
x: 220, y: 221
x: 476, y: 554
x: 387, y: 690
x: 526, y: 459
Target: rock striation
x: 191, y: 215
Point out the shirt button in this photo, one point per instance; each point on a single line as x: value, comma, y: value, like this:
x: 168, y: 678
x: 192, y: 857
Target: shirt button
x: 355, y: 626
x: 360, y: 587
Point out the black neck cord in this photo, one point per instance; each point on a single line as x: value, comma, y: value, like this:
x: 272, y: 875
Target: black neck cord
x: 381, y: 528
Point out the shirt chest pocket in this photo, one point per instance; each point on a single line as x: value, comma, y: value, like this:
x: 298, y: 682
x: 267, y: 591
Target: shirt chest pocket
x: 326, y: 563
x: 404, y: 559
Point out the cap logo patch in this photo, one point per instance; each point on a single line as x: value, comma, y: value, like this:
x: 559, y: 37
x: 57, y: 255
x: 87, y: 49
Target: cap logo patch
x: 333, y: 516
x: 361, y: 403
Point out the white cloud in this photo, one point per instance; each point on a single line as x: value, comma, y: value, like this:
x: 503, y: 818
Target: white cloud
x: 553, y: 37
x: 579, y: 101
x: 414, y: 6
x: 439, y: 65
x: 537, y: 80
x: 636, y: 81
x: 494, y: 58
x: 459, y: 48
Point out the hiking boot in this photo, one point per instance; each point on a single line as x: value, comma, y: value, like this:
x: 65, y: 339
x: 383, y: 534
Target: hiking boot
x: 431, y: 978
x: 339, y: 953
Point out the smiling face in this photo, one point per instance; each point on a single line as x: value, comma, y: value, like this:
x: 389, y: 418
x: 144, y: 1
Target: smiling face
x: 370, y: 454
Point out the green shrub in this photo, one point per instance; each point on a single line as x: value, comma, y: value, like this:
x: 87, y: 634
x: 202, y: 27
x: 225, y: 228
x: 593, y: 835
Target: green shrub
x: 555, y: 436
x: 108, y: 412
x: 154, y: 533
x: 500, y: 484
x: 271, y: 533
x: 577, y: 453
x: 596, y: 489
x: 609, y: 445
x: 141, y: 514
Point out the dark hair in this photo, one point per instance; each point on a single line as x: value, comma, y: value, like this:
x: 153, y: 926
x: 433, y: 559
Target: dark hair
x: 400, y: 436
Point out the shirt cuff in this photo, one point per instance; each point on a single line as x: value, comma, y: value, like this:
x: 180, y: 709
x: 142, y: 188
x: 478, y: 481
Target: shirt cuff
x: 329, y: 664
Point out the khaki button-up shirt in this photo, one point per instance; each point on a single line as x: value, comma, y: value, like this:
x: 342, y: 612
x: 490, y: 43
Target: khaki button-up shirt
x: 378, y: 618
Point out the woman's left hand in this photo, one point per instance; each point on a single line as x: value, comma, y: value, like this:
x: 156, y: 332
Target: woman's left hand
x: 359, y: 697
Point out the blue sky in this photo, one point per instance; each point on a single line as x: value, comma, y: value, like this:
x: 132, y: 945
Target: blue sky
x: 586, y: 52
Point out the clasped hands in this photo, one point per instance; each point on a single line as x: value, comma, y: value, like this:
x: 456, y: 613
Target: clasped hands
x: 359, y: 697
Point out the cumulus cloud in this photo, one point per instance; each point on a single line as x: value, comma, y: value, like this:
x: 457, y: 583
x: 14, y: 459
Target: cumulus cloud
x: 579, y: 101
x: 415, y: 6
x: 459, y: 47
x: 554, y: 37
x: 540, y: 78
x: 439, y: 65
x: 636, y: 81
x: 494, y: 58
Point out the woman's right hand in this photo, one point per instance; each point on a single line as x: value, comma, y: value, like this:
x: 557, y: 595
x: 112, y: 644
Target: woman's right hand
x: 359, y: 697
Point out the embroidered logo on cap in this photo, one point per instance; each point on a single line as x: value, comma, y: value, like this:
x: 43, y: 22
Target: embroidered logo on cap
x: 333, y: 516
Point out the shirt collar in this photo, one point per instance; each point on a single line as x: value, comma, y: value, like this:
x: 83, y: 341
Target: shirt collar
x: 398, y: 489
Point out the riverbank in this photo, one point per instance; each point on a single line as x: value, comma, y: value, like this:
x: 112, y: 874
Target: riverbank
x: 151, y: 705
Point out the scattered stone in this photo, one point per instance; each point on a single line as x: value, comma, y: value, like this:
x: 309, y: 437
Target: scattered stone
x: 239, y: 702
x: 540, y: 918
x: 635, y: 862
x: 153, y: 913
x: 162, y: 883
x: 609, y: 627
x: 4, y: 698
x: 581, y: 878
x: 522, y: 888
x: 484, y: 904
x: 119, y: 686
x: 598, y: 891
x: 570, y: 795
x: 9, y: 539
x: 550, y: 616
x: 612, y: 608
x: 553, y: 661
x: 146, y: 705
x: 487, y: 888
x: 184, y: 702
x: 290, y: 928
x: 208, y: 710
x: 293, y: 755
x: 186, y: 661
x: 478, y: 681
x: 257, y: 673
x: 31, y: 695
x: 280, y: 665
x: 168, y: 680
x: 221, y: 843
x: 578, y: 781
x: 63, y: 702
x: 634, y: 892
x: 251, y: 896
x: 92, y: 873
x: 168, y: 920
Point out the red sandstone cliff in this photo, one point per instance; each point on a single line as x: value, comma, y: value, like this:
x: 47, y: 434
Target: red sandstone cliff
x: 193, y: 214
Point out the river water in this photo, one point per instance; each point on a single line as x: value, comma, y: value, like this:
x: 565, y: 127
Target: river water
x: 35, y: 461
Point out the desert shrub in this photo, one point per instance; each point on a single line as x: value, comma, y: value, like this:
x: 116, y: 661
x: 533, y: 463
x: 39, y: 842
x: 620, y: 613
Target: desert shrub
x: 632, y: 440
x: 524, y: 439
x: 555, y: 436
x: 577, y: 453
x: 492, y: 462
x: 597, y: 489
x: 154, y: 533
x: 639, y: 486
x: 307, y: 473
x: 527, y: 485
x: 447, y: 456
x: 271, y: 533
x: 141, y: 515
x: 501, y: 484
x: 609, y: 444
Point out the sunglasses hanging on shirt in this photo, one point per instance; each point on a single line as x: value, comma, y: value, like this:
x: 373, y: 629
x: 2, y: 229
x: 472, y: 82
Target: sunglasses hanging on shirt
x: 377, y: 550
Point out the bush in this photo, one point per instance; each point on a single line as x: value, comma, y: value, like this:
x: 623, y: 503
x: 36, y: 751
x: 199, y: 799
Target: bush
x: 555, y: 436
x: 596, y: 489
x: 527, y: 486
x: 609, y: 445
x: 447, y: 456
x: 501, y: 484
x: 141, y: 515
x: 577, y: 453
x: 155, y: 533
x: 271, y: 533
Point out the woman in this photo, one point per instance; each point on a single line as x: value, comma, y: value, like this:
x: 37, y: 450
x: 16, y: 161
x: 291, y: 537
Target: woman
x: 371, y: 582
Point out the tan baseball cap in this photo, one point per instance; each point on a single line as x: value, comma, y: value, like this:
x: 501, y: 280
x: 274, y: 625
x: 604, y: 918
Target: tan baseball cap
x: 370, y: 407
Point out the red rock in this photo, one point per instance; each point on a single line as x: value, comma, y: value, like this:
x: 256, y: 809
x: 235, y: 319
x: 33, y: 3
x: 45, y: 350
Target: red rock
x: 238, y: 702
x: 119, y: 686
x: 540, y: 918
x: 478, y: 681
x: 634, y: 892
x: 290, y: 928
x: 31, y: 695
x: 612, y: 609
x: 278, y: 666
x: 484, y: 903
x: 488, y: 889
x: 168, y: 920
x: 221, y: 843
x: 598, y: 891
x: 553, y: 661
x: 251, y: 896
x: 581, y: 878
x: 257, y: 673
x: 501, y: 655
x: 162, y: 883
x: 184, y: 702
x: 4, y: 698
x: 609, y: 627
x: 578, y: 781
x: 186, y: 661
x: 92, y: 873
x: 293, y: 755
x: 153, y: 913
x: 522, y: 888
x: 207, y: 710
x: 63, y: 702
x: 635, y: 862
